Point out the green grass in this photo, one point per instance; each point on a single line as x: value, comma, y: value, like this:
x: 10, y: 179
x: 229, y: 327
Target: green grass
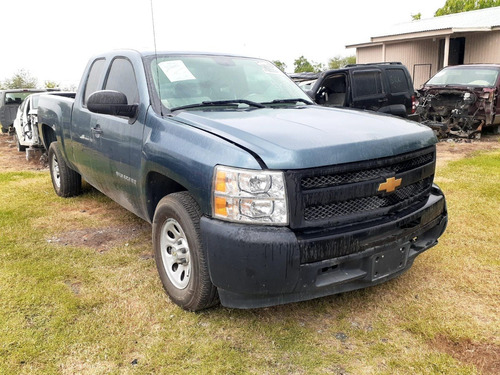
x: 68, y: 308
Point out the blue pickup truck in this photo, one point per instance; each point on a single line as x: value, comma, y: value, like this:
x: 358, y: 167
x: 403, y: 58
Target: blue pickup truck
x: 256, y: 195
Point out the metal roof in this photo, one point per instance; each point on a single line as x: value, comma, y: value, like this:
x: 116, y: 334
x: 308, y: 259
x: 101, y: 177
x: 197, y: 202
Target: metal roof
x: 475, y: 20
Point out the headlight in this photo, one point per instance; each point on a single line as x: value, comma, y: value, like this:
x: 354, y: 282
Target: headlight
x: 250, y: 196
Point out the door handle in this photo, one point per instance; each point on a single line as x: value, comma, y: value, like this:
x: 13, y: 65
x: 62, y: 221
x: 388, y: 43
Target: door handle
x: 96, y: 131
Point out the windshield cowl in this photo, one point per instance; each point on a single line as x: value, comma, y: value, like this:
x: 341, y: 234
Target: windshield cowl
x: 235, y: 104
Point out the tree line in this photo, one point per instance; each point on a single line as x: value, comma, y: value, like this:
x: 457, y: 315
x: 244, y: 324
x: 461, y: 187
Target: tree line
x: 303, y: 65
x: 23, y: 79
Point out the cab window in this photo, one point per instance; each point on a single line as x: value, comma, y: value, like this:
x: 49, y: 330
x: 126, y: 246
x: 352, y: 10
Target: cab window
x: 93, y: 79
x: 121, y: 78
x: 397, y: 80
x: 367, y: 83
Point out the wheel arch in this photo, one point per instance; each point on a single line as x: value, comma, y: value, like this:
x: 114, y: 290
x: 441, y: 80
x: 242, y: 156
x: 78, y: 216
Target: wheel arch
x: 158, y: 186
x: 48, y: 135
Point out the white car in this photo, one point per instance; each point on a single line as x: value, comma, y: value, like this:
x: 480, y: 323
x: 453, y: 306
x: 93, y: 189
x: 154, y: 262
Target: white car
x: 26, y: 121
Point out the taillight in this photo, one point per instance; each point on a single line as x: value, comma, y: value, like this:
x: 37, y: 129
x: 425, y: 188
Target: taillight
x: 414, y: 103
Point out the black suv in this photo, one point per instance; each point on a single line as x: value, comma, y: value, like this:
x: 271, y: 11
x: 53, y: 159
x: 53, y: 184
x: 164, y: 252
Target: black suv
x: 382, y: 87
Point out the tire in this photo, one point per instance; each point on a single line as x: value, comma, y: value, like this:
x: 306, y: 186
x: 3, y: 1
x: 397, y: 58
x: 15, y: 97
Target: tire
x: 20, y: 147
x: 66, y: 182
x: 180, y: 257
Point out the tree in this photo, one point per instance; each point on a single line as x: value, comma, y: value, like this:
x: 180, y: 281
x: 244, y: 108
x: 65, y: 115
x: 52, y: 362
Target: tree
x: 458, y: 6
x: 303, y: 65
x: 340, y: 62
x: 318, y: 67
x: 20, y: 80
x: 280, y: 65
x: 416, y: 17
x: 51, y: 85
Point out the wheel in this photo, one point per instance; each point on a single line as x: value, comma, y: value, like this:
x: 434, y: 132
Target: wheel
x: 20, y: 147
x: 66, y: 182
x: 179, y: 254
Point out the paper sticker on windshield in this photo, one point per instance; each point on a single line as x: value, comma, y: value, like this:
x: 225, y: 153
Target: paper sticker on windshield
x: 176, y: 70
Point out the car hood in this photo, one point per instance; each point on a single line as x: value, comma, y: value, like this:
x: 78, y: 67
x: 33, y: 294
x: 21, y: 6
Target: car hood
x: 311, y: 136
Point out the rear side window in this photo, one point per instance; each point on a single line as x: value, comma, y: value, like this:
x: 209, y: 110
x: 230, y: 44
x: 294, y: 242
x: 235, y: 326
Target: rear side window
x: 397, y: 80
x: 367, y: 83
x: 94, y: 78
x: 121, y: 78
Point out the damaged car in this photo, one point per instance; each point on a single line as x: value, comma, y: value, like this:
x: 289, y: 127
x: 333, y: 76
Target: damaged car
x: 461, y: 100
x: 26, y: 121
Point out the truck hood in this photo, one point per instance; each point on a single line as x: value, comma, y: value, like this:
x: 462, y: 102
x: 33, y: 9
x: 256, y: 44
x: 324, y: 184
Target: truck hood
x: 312, y: 136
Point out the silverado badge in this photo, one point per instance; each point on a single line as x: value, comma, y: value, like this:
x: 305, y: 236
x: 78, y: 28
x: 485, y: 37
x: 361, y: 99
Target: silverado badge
x: 390, y: 184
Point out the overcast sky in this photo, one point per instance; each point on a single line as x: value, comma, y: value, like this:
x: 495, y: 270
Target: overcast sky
x: 53, y: 39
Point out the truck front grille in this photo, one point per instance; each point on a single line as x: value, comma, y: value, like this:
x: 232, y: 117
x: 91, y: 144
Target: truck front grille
x: 348, y: 193
x: 364, y: 175
x: 366, y: 204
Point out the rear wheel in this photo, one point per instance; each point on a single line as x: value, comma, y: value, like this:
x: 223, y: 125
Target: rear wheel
x: 179, y: 254
x: 66, y: 182
x: 20, y: 147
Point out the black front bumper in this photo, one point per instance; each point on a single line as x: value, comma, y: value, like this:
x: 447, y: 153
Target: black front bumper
x: 257, y: 266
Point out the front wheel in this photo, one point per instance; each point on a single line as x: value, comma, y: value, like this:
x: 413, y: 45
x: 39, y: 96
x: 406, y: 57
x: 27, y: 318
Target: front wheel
x: 180, y: 257
x: 66, y: 181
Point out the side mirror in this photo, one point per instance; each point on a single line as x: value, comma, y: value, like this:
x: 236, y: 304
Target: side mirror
x: 109, y: 102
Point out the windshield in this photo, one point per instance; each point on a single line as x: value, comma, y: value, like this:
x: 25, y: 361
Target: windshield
x: 15, y: 97
x: 188, y: 79
x: 482, y: 77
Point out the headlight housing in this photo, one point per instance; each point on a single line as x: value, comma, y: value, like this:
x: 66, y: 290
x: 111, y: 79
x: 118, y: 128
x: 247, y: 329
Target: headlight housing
x: 249, y: 196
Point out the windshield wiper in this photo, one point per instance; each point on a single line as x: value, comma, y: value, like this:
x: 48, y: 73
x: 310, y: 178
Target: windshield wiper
x: 295, y: 100
x: 219, y: 102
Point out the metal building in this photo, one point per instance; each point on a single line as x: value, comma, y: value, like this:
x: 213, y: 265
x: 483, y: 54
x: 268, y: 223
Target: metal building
x: 426, y: 46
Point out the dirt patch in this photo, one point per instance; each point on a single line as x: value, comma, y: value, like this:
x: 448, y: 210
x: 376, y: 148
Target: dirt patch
x: 485, y: 357
x: 455, y: 149
x: 13, y: 160
x: 99, y: 239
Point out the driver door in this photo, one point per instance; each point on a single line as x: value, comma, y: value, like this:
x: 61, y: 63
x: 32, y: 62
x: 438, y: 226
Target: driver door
x: 118, y: 139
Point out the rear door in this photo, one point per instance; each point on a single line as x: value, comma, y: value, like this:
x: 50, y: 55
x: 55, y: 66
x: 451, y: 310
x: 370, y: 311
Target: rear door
x: 400, y: 87
x: 367, y: 89
x: 82, y: 143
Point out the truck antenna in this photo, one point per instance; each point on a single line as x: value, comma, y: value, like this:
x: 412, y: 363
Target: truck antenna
x: 156, y: 57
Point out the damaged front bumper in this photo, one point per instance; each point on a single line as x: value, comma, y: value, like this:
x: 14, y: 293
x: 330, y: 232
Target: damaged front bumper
x: 460, y: 112
x: 259, y: 266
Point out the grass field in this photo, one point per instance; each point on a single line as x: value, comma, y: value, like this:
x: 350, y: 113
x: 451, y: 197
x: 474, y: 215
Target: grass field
x: 79, y: 294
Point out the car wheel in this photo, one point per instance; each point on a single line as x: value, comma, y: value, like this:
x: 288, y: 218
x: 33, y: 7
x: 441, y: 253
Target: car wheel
x: 179, y: 254
x: 20, y: 147
x: 66, y: 182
